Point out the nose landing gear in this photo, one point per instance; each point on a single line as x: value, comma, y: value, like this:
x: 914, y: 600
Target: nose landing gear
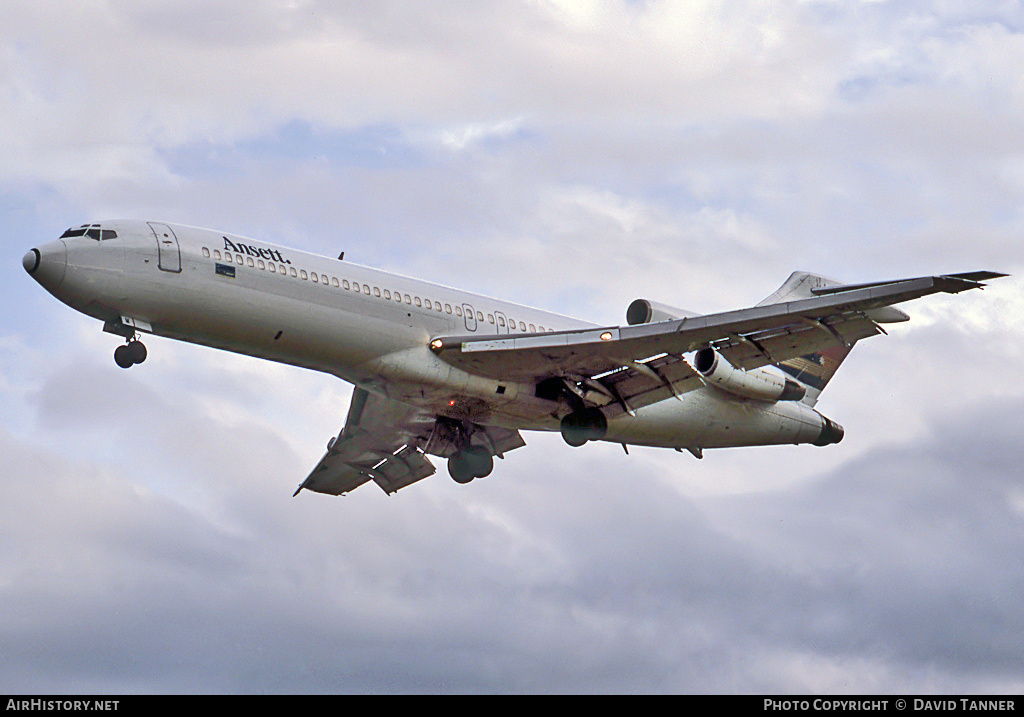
x: 130, y: 354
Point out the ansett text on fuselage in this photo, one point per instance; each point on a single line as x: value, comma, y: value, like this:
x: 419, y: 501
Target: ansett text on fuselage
x: 262, y: 252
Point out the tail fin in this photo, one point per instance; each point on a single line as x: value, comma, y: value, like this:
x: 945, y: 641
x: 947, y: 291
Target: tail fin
x: 813, y: 371
x: 798, y: 286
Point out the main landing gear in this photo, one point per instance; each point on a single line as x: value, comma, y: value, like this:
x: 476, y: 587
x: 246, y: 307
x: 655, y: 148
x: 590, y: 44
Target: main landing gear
x: 130, y: 353
x: 469, y: 463
x: 582, y: 425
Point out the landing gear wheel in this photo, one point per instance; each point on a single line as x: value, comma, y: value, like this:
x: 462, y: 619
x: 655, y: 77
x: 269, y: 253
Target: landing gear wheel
x: 459, y: 469
x: 480, y: 460
x: 130, y: 354
x: 573, y: 432
x: 138, y: 352
x: 474, y: 462
x: 578, y: 427
x: 123, y: 357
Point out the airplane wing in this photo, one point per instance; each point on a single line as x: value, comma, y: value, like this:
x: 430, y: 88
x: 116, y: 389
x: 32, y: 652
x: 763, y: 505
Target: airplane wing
x: 380, y: 443
x: 633, y: 366
x: 386, y: 441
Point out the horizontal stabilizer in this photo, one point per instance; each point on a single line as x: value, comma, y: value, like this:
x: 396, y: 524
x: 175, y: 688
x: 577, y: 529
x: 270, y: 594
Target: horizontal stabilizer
x: 949, y: 283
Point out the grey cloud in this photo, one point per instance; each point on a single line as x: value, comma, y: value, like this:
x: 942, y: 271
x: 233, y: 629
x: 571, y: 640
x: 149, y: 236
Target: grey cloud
x: 913, y: 550
x: 587, y: 577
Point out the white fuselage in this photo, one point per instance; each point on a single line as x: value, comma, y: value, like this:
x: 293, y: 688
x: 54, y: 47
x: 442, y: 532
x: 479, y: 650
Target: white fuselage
x: 365, y: 326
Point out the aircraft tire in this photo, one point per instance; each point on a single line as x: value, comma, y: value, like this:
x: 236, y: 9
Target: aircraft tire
x: 459, y: 469
x: 123, y: 357
x: 137, y: 351
x: 579, y: 427
x: 573, y: 431
x: 480, y: 461
x: 596, y: 423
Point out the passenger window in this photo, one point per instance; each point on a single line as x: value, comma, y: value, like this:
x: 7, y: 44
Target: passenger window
x: 366, y: 289
x: 273, y: 268
x: 490, y: 318
x: 251, y: 263
x: 315, y: 279
x: 408, y: 299
x: 479, y: 316
x: 541, y: 328
x: 293, y: 272
x: 501, y: 321
x: 387, y: 294
x: 458, y: 311
x: 206, y: 252
x: 227, y: 257
x: 305, y: 276
x: 533, y: 329
x: 418, y: 302
x: 426, y: 304
x: 448, y: 308
x: 376, y: 292
x: 334, y: 280
x: 323, y: 279
x: 238, y: 258
x: 522, y: 326
x: 216, y: 254
x: 261, y: 264
x: 398, y: 296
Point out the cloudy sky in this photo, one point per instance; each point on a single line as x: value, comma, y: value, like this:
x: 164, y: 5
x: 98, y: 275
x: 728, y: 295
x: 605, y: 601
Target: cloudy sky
x: 568, y: 155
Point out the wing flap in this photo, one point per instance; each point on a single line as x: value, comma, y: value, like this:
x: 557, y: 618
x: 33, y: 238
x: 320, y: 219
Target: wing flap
x: 760, y: 348
x: 642, y: 383
x: 378, y: 443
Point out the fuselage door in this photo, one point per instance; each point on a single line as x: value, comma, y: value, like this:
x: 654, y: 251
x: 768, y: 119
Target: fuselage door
x: 167, y: 247
x: 467, y: 311
x: 501, y: 323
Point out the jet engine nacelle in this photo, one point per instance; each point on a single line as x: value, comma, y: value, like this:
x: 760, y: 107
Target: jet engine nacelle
x: 643, y: 311
x: 758, y: 383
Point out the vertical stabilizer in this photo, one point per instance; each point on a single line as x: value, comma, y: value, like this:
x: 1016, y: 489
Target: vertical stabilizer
x: 798, y: 286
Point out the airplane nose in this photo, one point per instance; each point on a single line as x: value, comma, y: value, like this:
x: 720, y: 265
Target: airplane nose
x: 31, y: 261
x: 47, y: 263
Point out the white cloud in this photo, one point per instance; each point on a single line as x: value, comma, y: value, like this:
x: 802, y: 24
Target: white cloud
x: 460, y: 138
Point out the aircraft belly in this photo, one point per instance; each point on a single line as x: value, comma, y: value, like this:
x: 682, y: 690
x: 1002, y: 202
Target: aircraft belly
x: 294, y: 330
x: 418, y: 377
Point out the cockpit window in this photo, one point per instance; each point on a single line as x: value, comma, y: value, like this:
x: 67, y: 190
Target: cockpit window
x: 80, y: 232
x: 93, y: 231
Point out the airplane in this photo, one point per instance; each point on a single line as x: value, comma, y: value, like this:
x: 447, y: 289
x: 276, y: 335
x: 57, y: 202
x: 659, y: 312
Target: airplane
x: 447, y: 373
